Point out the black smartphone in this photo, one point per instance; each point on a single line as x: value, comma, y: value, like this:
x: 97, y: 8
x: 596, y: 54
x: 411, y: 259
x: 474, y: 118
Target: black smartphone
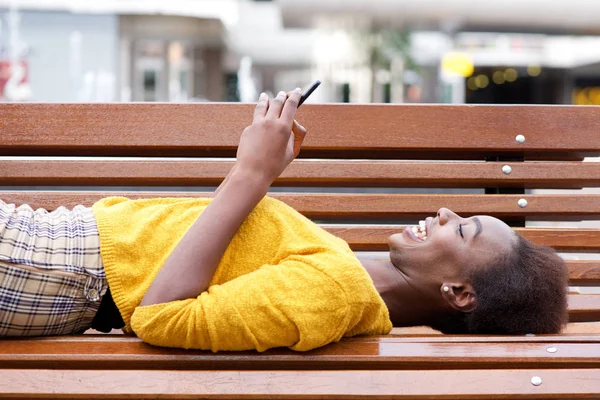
x: 308, y: 92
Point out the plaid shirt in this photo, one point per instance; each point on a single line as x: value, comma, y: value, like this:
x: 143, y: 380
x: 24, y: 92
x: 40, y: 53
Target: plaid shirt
x: 51, y: 273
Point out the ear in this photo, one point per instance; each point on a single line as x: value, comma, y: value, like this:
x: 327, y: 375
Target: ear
x: 460, y: 296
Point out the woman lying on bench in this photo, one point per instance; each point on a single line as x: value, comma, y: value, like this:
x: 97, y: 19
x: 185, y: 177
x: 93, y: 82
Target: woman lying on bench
x: 243, y: 271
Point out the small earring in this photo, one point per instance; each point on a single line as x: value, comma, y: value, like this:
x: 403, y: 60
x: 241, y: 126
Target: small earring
x: 446, y: 289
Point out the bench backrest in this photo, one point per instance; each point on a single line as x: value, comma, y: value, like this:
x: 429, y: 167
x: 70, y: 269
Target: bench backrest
x: 364, y: 170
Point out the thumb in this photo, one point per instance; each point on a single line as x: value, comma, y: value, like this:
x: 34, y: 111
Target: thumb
x: 298, y: 129
x: 299, y: 135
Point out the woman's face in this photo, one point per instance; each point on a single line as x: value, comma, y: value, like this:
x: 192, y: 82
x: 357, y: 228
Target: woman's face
x: 449, y: 247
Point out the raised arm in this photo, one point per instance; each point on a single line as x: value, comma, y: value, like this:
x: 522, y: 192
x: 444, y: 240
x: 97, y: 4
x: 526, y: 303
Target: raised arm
x: 266, y: 148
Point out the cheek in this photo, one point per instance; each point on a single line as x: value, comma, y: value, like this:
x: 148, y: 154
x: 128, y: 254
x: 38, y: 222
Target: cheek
x: 446, y: 247
x: 443, y: 240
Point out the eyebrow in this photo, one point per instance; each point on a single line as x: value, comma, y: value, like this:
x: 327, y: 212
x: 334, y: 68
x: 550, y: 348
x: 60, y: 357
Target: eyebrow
x: 479, y: 227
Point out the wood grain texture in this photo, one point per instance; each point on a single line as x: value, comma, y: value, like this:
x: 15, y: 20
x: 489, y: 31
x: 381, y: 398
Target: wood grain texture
x: 584, y: 307
x: 432, y: 385
x: 581, y: 332
x: 584, y: 272
x: 369, y: 353
x: 572, y: 330
x: 360, y: 237
x: 201, y: 129
x: 303, y: 173
x: 361, y: 206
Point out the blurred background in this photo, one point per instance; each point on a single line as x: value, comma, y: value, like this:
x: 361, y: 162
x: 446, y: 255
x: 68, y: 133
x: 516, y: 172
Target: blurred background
x: 384, y: 51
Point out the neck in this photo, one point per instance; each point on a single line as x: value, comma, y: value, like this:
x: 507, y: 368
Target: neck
x: 407, y: 305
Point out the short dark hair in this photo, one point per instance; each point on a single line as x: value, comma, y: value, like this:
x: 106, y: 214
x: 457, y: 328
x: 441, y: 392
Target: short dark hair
x: 525, y: 291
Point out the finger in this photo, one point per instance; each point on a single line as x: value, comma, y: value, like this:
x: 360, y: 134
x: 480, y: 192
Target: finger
x: 291, y: 105
x: 299, y: 135
x: 261, y: 107
x: 276, y: 105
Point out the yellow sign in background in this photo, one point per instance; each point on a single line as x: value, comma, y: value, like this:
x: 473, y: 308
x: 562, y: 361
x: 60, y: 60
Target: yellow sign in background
x: 586, y: 96
x: 458, y: 63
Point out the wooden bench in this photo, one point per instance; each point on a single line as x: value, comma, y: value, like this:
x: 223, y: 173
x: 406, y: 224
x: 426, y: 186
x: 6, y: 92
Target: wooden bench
x: 367, y: 156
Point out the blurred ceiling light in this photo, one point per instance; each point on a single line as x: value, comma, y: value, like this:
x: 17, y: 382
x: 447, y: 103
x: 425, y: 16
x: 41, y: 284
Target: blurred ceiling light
x: 534, y: 70
x: 498, y: 78
x: 471, y: 84
x: 482, y: 81
x: 511, y: 75
x: 457, y: 64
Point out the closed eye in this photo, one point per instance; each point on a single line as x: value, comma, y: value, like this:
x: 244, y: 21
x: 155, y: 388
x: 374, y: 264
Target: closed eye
x: 460, y: 231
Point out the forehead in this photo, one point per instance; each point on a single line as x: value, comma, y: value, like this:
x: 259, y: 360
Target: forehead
x: 494, y: 231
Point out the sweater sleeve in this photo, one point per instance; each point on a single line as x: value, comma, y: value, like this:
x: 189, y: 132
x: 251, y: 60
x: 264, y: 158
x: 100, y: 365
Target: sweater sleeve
x: 291, y: 304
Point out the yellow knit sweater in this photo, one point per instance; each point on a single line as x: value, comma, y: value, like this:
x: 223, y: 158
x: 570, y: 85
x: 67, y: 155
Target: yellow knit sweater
x: 283, y: 281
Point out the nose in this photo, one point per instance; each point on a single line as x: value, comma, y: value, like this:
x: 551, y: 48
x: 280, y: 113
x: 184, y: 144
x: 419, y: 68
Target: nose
x: 445, y: 215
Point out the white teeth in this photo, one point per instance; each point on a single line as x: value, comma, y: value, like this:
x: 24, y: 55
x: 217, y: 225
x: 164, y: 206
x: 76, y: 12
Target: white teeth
x: 423, y: 226
x: 420, y: 230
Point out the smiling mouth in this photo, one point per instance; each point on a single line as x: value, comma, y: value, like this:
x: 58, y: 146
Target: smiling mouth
x: 417, y: 232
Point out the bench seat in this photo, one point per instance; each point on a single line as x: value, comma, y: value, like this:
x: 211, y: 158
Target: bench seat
x: 365, y: 172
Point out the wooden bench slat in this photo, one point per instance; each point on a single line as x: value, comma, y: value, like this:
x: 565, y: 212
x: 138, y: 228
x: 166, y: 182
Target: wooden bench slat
x: 567, y: 239
x: 361, y: 206
x: 396, y: 205
x: 349, y: 354
x: 571, y: 332
x: 580, y: 329
x: 584, y: 307
x: 214, y: 129
x: 303, y: 173
x: 374, y: 237
x: 432, y: 385
x: 442, y: 338
x: 584, y: 272
x: 360, y: 237
x: 397, y: 335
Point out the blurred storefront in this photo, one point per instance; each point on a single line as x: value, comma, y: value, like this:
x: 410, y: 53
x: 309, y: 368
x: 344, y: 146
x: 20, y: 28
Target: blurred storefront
x: 170, y: 58
x: 524, y: 51
x: 416, y: 51
x: 14, y: 84
x: 58, y: 56
x: 586, y: 85
x: 521, y: 68
x: 115, y: 51
x: 185, y: 50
